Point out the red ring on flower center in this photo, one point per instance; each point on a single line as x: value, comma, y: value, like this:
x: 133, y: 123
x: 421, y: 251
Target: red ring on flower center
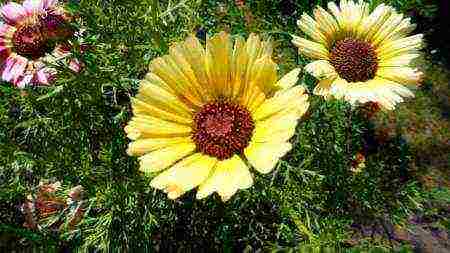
x: 222, y: 129
x: 354, y: 60
x: 29, y: 41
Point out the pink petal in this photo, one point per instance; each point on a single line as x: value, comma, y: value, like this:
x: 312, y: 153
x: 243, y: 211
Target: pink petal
x: 33, y: 6
x: 6, y: 31
x: 42, y: 77
x: 7, y: 67
x: 24, y: 81
x: 75, y: 65
x: 18, y: 68
x: 45, y: 76
x: 49, y: 3
x: 13, y: 12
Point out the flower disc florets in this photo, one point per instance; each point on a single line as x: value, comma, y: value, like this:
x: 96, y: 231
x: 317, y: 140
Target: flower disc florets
x: 222, y: 129
x: 354, y: 60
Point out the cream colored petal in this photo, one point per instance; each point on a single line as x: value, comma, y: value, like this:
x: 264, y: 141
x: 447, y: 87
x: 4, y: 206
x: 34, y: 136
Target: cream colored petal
x: 326, y: 23
x: 352, y: 14
x: 218, y: 63
x: 282, y: 100
x: 371, y: 24
x: 403, y: 75
x: 162, y: 158
x: 386, y: 29
x: 280, y: 127
x: 264, y: 156
x: 142, y: 146
x: 402, y: 30
x: 339, y: 88
x: 143, y: 126
x: 152, y: 91
x: 323, y: 88
x: 321, y: 69
x: 401, y: 46
x: 228, y: 177
x: 361, y: 92
x: 184, y: 175
x: 382, y: 91
x: 334, y: 9
x: 310, y: 27
x: 309, y: 48
x: 142, y: 108
x: 397, y: 61
x: 289, y: 80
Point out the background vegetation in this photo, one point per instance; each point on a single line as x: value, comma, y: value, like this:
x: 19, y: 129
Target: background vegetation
x: 319, y: 196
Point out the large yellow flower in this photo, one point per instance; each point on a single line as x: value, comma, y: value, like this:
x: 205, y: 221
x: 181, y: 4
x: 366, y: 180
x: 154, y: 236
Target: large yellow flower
x: 359, y: 55
x: 202, y: 116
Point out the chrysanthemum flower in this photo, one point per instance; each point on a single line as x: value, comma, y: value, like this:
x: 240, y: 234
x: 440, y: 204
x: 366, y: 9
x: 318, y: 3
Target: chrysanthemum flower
x: 359, y: 55
x: 33, y: 36
x: 203, y: 116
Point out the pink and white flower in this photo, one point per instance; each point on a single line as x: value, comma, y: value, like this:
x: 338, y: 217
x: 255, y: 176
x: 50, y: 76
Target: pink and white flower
x: 34, y: 36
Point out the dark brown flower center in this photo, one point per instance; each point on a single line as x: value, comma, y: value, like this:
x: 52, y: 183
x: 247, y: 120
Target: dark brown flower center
x: 56, y: 27
x: 222, y: 129
x: 29, y: 41
x: 39, y: 36
x: 354, y: 60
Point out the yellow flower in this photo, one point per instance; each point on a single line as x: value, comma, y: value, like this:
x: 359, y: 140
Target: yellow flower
x: 203, y: 116
x: 360, y: 56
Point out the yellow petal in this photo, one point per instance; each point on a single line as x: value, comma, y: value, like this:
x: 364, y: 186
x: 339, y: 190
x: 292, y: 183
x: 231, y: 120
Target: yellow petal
x: 162, y: 158
x: 185, y: 175
x: 264, y: 156
x: 194, y: 53
x: 181, y: 59
x: 280, y: 127
x: 167, y: 69
x: 152, y: 90
x: 264, y: 73
x: 245, y: 55
x: 321, y: 69
x: 309, y: 48
x: 227, y: 178
x: 282, y: 100
x: 289, y: 80
x: 143, y: 126
x: 142, y: 146
x: 218, y: 61
x: 142, y: 108
x: 403, y: 75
